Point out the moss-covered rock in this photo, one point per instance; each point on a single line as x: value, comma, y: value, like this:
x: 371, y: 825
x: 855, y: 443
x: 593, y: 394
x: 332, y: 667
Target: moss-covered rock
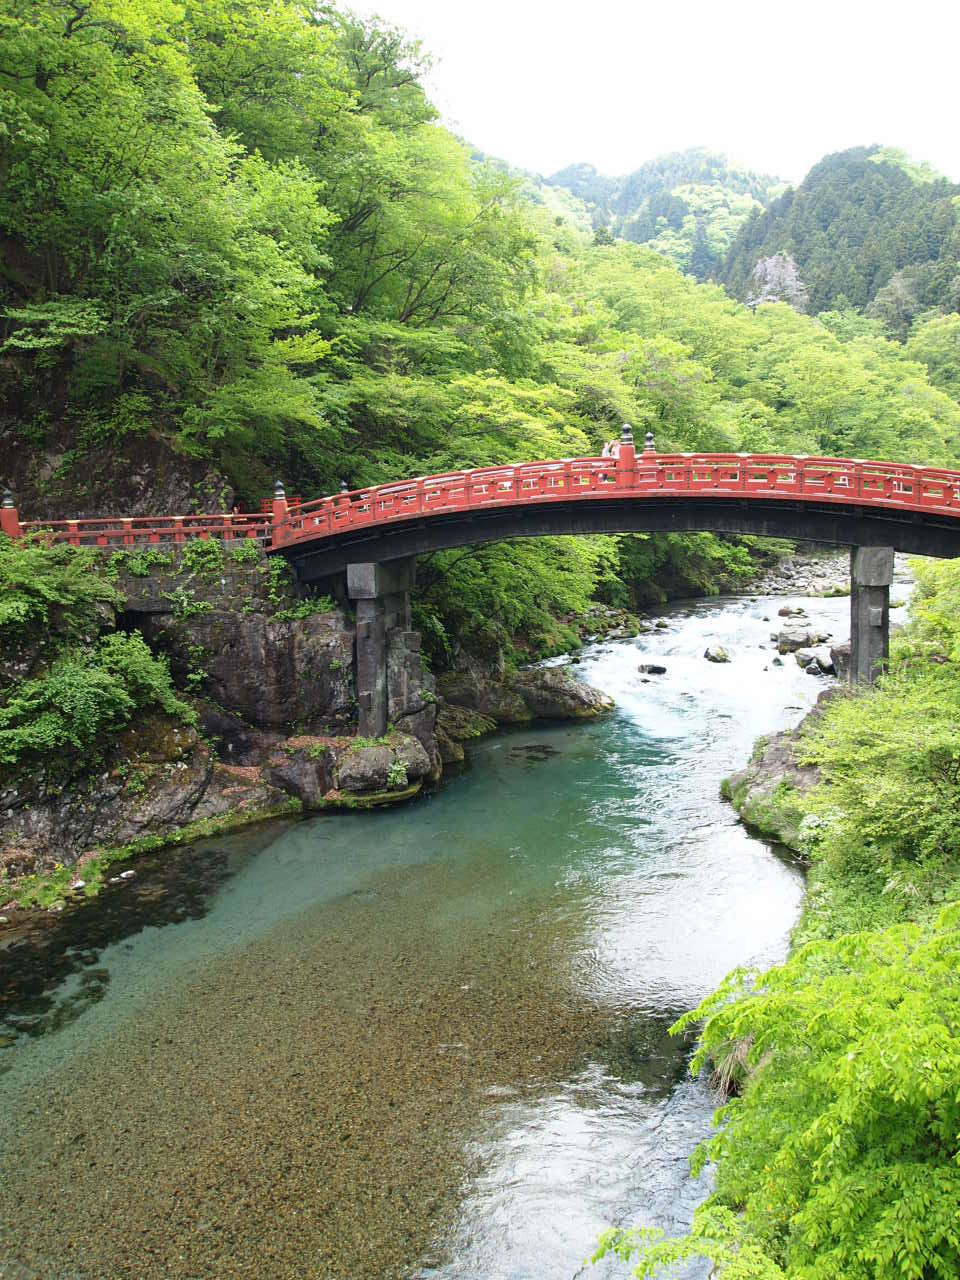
x: 768, y: 793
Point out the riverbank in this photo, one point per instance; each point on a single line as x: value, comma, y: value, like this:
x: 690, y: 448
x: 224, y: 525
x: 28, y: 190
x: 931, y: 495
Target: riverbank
x: 845, y: 1060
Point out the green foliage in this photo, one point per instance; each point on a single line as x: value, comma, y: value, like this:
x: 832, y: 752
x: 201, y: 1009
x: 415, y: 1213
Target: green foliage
x: 473, y: 594
x: 891, y: 767
x: 397, y: 775
x: 50, y: 589
x: 203, y: 558
x: 687, y: 205
x: 84, y: 698
x: 306, y: 609
x: 246, y: 551
x: 140, y: 564
x: 715, y: 1234
x: 889, y: 756
x: 185, y: 604
x: 935, y: 343
x: 841, y: 1153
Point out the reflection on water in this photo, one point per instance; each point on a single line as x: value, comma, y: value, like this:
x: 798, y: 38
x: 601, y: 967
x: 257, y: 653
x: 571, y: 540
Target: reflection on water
x: 429, y: 1042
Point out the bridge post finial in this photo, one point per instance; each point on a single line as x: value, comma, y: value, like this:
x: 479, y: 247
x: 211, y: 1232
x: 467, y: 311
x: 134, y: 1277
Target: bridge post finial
x: 626, y: 459
x: 279, y: 513
x: 9, y: 520
x: 649, y: 444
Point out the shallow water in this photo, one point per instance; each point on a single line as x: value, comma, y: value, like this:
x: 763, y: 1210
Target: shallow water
x: 429, y: 1042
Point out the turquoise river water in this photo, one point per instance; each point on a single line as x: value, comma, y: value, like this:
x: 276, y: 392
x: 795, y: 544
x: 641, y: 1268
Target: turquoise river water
x: 429, y: 1043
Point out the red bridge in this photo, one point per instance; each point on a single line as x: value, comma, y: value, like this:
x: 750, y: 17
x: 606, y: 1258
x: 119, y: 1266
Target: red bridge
x: 376, y: 533
x: 916, y: 509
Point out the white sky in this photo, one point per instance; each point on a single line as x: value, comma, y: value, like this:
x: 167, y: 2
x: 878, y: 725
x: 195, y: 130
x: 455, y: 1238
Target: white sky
x: 774, y: 85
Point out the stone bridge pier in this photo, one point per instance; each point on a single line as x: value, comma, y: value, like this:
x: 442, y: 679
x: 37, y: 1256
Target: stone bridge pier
x: 381, y: 592
x: 871, y: 573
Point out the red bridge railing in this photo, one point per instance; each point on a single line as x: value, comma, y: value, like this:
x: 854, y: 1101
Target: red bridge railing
x: 138, y: 531
x: 704, y: 476
x: 645, y: 475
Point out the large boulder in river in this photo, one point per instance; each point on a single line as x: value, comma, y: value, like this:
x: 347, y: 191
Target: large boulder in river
x: 490, y: 698
x: 388, y: 765
x: 816, y: 661
x: 548, y: 693
x: 790, y: 639
x: 551, y: 693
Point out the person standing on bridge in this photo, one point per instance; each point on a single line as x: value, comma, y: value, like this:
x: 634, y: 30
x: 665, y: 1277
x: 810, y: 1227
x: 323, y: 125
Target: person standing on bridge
x: 611, y: 449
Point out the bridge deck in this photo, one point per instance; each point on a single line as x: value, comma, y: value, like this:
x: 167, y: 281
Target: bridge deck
x: 871, y: 487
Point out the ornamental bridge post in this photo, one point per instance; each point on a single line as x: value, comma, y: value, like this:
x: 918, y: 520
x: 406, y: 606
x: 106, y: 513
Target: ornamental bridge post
x: 9, y: 519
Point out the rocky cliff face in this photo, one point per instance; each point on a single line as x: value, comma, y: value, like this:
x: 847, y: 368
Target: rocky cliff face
x: 271, y: 674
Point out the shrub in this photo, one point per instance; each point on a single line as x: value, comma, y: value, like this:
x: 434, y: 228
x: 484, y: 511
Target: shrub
x: 50, y: 586
x: 85, y: 697
x: 246, y: 552
x: 397, y: 775
x: 202, y: 556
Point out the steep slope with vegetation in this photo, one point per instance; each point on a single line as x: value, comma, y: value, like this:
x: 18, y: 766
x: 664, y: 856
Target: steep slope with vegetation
x: 866, y: 228
x: 688, y: 205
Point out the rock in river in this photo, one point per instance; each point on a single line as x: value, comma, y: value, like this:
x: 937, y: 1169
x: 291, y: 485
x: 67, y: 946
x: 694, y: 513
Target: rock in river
x: 790, y: 639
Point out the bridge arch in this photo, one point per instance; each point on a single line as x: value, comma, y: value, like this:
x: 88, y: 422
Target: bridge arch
x: 835, y: 524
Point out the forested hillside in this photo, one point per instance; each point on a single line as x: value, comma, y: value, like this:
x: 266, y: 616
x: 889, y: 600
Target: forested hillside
x: 688, y: 205
x: 237, y: 244
x: 867, y: 229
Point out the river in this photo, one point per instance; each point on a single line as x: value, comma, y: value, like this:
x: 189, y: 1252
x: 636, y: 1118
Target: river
x: 429, y: 1042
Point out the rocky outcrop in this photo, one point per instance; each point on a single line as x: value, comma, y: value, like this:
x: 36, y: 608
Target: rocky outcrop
x: 224, y: 638
x: 173, y: 780
x: 812, y: 570
x: 456, y: 725
x: 540, y: 693
x: 766, y: 794
x: 141, y: 476
x: 350, y: 773
x: 551, y: 693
